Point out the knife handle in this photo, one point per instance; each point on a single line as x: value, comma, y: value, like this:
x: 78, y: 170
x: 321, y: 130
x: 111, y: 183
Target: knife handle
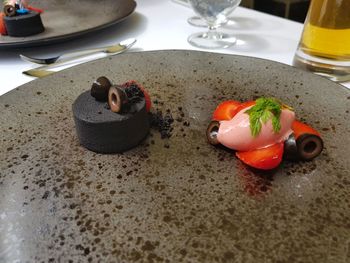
x: 81, y: 53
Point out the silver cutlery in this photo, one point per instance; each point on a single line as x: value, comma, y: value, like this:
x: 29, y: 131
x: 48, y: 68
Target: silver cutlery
x: 114, y: 49
x: 45, y: 70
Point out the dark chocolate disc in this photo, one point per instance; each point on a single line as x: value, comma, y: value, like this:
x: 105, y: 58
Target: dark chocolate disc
x: 101, y: 130
x: 24, y: 25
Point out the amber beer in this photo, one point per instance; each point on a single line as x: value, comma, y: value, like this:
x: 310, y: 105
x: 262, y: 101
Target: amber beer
x: 326, y: 37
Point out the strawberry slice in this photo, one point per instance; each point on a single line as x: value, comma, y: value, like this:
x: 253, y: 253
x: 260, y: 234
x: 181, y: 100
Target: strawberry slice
x: 300, y: 128
x: 265, y: 159
x: 228, y: 109
x: 3, y: 30
x: 31, y: 8
x: 242, y: 106
x: 224, y: 111
x: 145, y: 93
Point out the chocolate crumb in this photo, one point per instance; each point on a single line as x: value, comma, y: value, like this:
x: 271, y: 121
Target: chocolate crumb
x: 24, y: 156
x: 162, y: 123
x: 46, y: 195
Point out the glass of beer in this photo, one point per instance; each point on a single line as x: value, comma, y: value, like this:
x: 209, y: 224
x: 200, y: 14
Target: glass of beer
x: 324, y: 47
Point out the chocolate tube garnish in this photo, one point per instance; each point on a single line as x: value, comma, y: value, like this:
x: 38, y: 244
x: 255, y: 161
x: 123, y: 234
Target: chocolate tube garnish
x: 9, y: 10
x: 117, y: 99
x: 212, y: 132
x: 100, y: 88
x: 309, y: 146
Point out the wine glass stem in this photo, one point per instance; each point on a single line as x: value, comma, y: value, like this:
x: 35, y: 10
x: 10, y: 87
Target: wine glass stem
x: 212, y: 33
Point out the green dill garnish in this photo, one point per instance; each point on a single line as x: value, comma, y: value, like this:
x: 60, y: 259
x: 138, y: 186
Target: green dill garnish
x: 264, y: 110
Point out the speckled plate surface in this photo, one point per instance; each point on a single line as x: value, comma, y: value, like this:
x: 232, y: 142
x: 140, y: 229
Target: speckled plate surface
x: 177, y: 199
x: 64, y: 20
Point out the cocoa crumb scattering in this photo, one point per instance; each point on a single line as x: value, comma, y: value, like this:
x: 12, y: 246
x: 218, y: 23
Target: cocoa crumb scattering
x: 162, y: 123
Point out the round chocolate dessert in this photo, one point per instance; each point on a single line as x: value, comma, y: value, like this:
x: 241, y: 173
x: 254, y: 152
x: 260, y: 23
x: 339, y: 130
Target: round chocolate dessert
x: 102, y: 130
x: 24, y: 25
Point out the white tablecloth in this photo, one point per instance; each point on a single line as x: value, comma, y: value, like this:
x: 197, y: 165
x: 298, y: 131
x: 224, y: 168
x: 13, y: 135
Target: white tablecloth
x: 162, y: 24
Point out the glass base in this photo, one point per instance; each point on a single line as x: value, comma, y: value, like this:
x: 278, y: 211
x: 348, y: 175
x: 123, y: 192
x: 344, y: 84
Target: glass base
x: 211, y: 40
x: 335, y: 70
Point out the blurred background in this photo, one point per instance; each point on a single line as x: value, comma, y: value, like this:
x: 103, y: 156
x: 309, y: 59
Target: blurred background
x: 291, y: 9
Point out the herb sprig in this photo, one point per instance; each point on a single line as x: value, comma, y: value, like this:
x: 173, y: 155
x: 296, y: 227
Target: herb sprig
x: 264, y: 110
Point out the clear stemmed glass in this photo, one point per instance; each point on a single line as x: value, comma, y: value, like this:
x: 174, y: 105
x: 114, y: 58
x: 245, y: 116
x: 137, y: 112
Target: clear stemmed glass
x: 200, y: 22
x: 215, y: 13
x: 197, y: 21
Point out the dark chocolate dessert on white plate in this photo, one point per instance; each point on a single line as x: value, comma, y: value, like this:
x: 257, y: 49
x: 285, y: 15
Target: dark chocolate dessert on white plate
x: 19, y: 19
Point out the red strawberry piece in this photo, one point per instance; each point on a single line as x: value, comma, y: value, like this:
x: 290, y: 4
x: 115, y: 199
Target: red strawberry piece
x: 225, y: 110
x: 265, y: 159
x: 300, y: 128
x: 3, y: 30
x: 35, y: 9
x: 145, y: 93
x: 242, y: 106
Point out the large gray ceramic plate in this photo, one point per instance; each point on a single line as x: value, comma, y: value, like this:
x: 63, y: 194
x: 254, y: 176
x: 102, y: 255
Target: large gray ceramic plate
x: 177, y: 199
x: 65, y: 19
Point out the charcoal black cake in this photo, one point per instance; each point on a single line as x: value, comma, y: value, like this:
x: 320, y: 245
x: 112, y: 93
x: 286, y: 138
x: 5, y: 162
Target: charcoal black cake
x: 24, y: 25
x: 101, y: 130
